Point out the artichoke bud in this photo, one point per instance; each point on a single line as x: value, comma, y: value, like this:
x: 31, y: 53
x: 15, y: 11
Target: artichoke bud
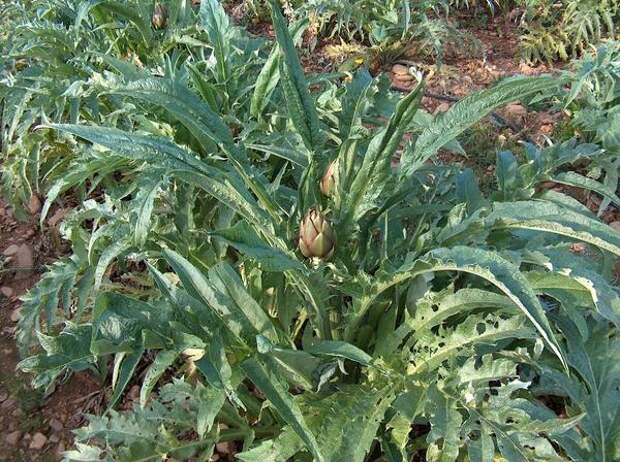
x: 328, y: 182
x: 160, y: 15
x: 316, y: 236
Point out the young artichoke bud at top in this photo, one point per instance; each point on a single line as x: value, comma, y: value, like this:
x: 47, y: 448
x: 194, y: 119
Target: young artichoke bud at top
x: 160, y: 15
x: 316, y: 236
x: 328, y: 182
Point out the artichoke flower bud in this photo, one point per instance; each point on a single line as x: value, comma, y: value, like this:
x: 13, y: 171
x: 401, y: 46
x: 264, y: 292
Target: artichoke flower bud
x: 160, y: 16
x: 328, y: 182
x: 316, y: 236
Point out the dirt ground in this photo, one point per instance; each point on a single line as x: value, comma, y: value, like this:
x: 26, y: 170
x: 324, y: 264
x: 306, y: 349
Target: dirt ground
x: 35, y: 427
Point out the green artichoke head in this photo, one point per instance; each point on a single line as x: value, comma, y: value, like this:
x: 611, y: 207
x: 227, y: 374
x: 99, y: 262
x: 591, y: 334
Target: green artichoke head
x: 316, y: 236
x: 328, y: 182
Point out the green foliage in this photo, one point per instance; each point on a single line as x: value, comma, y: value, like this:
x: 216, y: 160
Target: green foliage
x: 446, y: 322
x: 566, y: 29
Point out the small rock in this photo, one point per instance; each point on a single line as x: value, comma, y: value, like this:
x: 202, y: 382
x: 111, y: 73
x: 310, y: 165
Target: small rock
x: 22, y: 259
x: 403, y: 78
x: 13, y: 438
x: 403, y: 84
x: 134, y: 392
x: 56, y: 425
x: 546, y: 129
x: 60, y: 449
x: 3, y: 396
x: 11, y: 250
x: 579, y: 247
x: 34, y: 205
x: 615, y: 225
x: 399, y: 69
x: 24, y: 256
x: 225, y: 448
x: 16, y: 315
x: 516, y: 112
x: 6, y: 291
x: 443, y: 107
x: 38, y: 441
x: 54, y: 438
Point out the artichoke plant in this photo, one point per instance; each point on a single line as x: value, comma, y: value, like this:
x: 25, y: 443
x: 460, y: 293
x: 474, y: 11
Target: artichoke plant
x: 316, y: 236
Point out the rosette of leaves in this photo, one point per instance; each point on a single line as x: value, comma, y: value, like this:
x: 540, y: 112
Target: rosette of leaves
x: 446, y: 322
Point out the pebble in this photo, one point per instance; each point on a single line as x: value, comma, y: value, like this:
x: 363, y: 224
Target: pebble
x: 34, y: 206
x: 615, y: 225
x: 6, y: 291
x: 4, y: 395
x: 516, y: 112
x: 403, y: 78
x: 38, y: 441
x: 443, y: 107
x: 16, y: 315
x: 399, y: 69
x: 24, y: 256
x: 56, y: 425
x: 579, y: 247
x: 225, y: 448
x: 13, y: 438
x: 11, y: 250
x: 134, y: 392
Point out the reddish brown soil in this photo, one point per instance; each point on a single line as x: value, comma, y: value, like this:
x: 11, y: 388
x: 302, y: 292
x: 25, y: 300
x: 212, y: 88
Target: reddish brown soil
x: 26, y: 416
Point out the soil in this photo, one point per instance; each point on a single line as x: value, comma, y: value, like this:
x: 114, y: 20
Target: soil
x: 34, y: 427
x: 37, y: 427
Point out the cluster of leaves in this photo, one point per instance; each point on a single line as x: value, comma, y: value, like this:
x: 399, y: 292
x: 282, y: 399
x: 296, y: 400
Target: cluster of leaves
x: 549, y: 30
x: 593, y: 102
x: 561, y: 30
x: 446, y: 322
x: 379, y: 29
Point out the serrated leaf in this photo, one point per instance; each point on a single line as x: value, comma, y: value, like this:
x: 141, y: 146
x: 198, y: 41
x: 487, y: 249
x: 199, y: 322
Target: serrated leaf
x: 163, y: 361
x: 243, y: 238
x: 340, y: 349
x: 269, y: 76
x: 301, y: 108
x: 470, y: 110
x: 268, y: 383
x: 282, y: 447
